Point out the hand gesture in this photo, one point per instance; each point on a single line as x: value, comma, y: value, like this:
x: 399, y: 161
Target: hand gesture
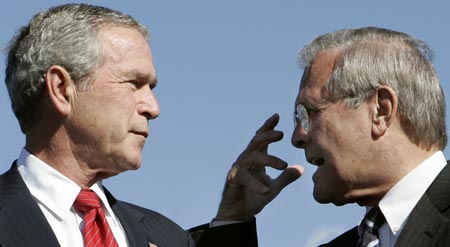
x: 248, y: 188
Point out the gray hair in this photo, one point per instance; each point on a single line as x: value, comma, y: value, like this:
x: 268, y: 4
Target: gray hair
x: 370, y: 57
x: 65, y: 35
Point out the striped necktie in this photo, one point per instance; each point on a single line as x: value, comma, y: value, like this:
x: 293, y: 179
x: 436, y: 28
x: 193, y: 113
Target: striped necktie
x: 369, y: 228
x: 96, y: 229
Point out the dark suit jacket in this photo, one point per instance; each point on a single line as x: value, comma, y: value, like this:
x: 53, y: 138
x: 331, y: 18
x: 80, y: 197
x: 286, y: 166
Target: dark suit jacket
x: 22, y: 223
x: 428, y: 223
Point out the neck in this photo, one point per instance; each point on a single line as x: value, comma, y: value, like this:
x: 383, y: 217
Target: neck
x: 54, y: 149
x: 390, y: 164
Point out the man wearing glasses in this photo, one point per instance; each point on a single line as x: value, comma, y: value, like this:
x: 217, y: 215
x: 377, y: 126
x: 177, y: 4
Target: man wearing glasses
x: 370, y: 114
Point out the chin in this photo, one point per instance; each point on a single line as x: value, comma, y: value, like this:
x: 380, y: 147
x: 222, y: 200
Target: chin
x: 136, y: 166
x: 325, y: 197
x: 320, y: 198
x: 124, y: 165
x: 131, y: 166
x: 131, y: 160
x: 325, y: 200
x: 340, y: 203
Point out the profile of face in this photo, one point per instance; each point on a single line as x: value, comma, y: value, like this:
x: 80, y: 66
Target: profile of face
x: 109, y: 121
x: 336, y: 139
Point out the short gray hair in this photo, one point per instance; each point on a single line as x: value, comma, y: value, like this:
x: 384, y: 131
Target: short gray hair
x: 370, y: 57
x: 65, y: 35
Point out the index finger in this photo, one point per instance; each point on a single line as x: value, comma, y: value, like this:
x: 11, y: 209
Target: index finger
x: 261, y: 140
x: 269, y: 124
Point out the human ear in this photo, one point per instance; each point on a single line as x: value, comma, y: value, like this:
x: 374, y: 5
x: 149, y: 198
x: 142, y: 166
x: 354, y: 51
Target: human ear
x: 385, y: 104
x: 61, y: 89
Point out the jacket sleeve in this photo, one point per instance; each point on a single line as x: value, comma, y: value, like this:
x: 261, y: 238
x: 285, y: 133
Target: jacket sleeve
x: 237, y: 235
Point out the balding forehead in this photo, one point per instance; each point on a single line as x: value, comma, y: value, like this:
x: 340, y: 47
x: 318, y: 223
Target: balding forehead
x: 315, y: 77
x: 321, y: 67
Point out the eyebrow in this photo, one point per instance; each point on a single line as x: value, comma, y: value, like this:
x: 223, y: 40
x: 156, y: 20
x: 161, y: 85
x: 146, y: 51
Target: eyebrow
x: 303, y: 101
x: 308, y: 104
x: 151, y: 79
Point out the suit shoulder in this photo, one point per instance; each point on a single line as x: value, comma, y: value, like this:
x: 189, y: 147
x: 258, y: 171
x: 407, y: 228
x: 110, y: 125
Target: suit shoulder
x: 156, y: 227
x: 148, y: 214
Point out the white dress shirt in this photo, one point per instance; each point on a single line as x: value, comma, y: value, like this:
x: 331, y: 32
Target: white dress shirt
x: 400, y: 200
x: 55, y: 194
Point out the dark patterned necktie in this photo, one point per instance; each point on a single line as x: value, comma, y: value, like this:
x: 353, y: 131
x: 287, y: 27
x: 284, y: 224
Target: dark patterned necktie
x: 96, y: 229
x: 369, y: 228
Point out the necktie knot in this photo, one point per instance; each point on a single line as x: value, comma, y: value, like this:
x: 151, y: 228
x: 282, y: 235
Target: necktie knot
x: 86, y: 201
x: 369, y: 228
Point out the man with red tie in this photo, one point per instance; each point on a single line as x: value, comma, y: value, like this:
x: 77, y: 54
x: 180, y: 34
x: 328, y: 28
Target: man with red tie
x: 81, y: 78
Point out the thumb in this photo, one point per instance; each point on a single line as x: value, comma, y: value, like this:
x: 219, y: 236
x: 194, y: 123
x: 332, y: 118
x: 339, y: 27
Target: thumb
x: 289, y: 175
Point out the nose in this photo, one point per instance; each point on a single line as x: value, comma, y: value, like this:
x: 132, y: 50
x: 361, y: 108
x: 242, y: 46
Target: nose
x: 148, y: 105
x: 300, y: 137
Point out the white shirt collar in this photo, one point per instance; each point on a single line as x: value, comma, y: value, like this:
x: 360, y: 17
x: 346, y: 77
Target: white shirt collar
x: 51, y: 188
x: 400, y: 200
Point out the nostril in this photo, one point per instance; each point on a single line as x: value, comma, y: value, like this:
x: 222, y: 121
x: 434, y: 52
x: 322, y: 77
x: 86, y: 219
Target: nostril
x: 148, y: 109
x: 300, y: 137
x: 147, y: 115
x: 300, y: 144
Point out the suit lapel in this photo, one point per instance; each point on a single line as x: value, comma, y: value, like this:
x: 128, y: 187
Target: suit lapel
x: 22, y: 223
x: 428, y: 223
x: 130, y: 221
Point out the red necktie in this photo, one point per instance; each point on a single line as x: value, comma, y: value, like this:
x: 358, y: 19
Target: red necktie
x: 96, y: 229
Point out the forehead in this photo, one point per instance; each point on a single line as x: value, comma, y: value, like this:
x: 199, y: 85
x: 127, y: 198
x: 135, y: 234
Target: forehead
x: 312, y: 86
x: 127, y: 52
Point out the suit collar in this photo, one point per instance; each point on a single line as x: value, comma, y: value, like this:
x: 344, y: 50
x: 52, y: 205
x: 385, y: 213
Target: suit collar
x: 22, y: 223
x: 427, y: 224
x: 20, y: 216
x: 130, y: 219
x: 401, y: 199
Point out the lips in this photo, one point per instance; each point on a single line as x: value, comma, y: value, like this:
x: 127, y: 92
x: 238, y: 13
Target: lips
x: 316, y: 161
x: 142, y: 133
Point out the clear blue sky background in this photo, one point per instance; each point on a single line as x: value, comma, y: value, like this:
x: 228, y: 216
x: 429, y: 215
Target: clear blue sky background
x: 223, y: 68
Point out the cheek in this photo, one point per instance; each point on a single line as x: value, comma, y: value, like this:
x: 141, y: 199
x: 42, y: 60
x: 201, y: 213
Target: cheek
x: 337, y: 153
x: 118, y: 111
x: 342, y: 136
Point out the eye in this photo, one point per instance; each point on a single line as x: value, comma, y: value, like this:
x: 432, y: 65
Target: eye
x: 134, y: 85
x: 311, y: 111
x: 131, y: 85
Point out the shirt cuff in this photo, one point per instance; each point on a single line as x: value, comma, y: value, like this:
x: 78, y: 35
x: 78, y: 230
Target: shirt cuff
x: 216, y: 223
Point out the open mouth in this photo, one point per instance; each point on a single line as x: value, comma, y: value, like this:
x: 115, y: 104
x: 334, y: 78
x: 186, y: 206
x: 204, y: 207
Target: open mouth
x: 317, y: 161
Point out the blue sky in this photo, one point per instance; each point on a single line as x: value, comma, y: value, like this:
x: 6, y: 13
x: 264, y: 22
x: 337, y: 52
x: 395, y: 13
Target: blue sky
x: 223, y: 68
